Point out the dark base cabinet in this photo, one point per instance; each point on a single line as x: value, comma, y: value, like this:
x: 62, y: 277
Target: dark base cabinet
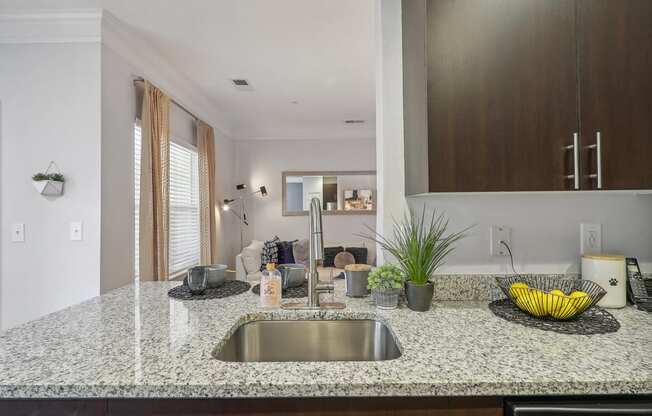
x: 382, y: 406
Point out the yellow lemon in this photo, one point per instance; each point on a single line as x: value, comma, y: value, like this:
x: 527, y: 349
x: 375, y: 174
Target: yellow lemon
x: 564, y: 310
x: 531, y: 301
x: 554, y: 301
x: 580, y: 299
x: 578, y: 294
x: 537, y: 301
x: 516, y: 288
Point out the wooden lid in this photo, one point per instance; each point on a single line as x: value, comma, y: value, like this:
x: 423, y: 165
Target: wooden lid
x: 608, y: 257
x: 357, y: 268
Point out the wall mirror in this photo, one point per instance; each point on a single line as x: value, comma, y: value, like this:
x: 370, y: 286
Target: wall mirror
x: 341, y: 193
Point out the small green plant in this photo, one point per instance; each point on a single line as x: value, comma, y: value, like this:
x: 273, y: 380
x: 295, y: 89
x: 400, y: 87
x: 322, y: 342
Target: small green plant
x: 386, y: 276
x: 57, y: 177
x: 40, y: 177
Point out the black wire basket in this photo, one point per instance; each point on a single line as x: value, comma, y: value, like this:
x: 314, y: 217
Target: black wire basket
x: 549, y: 297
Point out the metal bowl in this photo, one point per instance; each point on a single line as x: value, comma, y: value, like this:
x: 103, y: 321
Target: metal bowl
x: 537, y: 300
x: 292, y: 274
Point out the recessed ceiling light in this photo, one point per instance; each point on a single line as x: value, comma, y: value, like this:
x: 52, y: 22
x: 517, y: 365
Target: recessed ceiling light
x: 353, y: 121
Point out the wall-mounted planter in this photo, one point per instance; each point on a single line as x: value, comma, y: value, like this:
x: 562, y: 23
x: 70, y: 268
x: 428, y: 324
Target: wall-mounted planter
x: 48, y: 187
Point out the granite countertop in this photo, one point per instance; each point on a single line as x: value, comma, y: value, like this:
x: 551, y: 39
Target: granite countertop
x: 137, y: 342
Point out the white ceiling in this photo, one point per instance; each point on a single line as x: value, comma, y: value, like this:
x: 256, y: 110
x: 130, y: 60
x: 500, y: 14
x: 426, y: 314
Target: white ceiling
x: 319, y: 53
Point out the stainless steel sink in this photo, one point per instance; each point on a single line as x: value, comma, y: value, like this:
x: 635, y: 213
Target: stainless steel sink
x: 342, y: 340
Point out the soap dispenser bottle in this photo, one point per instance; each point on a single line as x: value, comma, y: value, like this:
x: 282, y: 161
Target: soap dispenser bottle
x: 270, y: 287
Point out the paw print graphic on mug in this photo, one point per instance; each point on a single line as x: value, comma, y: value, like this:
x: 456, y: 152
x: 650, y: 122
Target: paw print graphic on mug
x: 613, y: 282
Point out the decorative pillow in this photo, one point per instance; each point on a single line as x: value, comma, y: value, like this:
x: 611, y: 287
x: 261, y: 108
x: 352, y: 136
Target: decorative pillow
x: 270, y: 253
x: 285, y: 255
x: 251, y: 256
x: 329, y: 255
x: 301, y: 252
x: 343, y: 259
x: 359, y: 253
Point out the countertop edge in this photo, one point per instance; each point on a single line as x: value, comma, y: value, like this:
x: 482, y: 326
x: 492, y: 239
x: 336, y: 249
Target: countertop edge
x: 330, y: 390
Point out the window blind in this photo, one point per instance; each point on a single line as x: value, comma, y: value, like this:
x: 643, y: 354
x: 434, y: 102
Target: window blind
x: 184, y: 208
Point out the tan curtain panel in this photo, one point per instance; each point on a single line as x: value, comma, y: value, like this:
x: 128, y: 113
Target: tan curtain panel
x: 206, y: 150
x: 154, y: 185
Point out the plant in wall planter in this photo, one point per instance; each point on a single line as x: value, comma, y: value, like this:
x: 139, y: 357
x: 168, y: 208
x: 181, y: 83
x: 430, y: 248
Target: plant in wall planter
x: 420, y: 245
x: 49, y: 184
x: 386, y: 284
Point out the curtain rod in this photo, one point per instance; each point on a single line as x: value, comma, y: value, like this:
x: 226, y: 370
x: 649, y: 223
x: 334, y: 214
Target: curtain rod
x: 140, y: 79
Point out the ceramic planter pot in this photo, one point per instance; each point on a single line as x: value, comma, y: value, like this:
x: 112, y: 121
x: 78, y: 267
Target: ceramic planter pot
x: 386, y: 298
x: 419, y: 297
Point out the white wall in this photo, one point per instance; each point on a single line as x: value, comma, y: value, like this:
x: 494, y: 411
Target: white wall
x: 545, y: 226
x: 118, y: 116
x: 50, y: 110
x: 261, y: 162
x: 228, y: 237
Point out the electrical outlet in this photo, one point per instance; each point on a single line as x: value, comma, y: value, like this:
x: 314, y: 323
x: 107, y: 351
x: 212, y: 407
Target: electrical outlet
x: 18, y: 233
x: 76, y: 231
x: 497, y: 234
x: 590, y: 238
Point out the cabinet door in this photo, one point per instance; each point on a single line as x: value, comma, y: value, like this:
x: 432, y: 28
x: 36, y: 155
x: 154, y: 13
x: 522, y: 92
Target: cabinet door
x: 616, y: 92
x: 502, y: 94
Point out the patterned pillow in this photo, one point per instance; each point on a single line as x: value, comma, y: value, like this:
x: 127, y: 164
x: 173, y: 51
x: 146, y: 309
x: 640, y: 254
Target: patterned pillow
x: 359, y: 253
x: 285, y: 255
x: 329, y: 255
x: 270, y: 253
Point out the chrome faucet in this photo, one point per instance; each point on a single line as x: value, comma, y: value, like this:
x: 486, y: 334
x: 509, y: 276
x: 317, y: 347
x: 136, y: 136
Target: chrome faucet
x: 316, y: 243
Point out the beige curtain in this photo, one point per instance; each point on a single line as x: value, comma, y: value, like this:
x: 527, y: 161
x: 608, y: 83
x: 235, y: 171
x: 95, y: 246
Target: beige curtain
x: 206, y: 149
x: 154, y: 184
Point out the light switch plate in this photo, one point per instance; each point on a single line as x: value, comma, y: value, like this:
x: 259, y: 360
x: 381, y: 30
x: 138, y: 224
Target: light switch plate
x: 590, y: 238
x: 18, y: 233
x: 76, y: 231
x: 497, y: 234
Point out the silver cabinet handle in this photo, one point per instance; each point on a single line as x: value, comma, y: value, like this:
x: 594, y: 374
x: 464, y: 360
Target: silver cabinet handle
x: 576, y: 160
x: 598, y: 159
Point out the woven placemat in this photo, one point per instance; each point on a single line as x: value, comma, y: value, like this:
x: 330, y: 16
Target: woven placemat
x: 289, y: 293
x: 229, y: 288
x: 593, y: 321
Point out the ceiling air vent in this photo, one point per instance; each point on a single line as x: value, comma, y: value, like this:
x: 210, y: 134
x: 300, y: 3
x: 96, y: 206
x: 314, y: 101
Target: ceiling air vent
x: 241, y: 84
x: 353, y: 121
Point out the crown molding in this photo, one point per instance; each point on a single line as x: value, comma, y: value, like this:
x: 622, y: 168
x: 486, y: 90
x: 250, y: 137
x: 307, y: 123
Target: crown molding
x: 151, y: 65
x: 70, y: 26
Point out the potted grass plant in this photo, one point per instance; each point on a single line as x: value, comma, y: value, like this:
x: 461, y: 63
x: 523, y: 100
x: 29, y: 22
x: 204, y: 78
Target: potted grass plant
x: 385, y: 283
x: 420, y: 245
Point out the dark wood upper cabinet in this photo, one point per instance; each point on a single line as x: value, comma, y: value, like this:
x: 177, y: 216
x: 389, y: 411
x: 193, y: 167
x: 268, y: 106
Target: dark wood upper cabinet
x: 615, y: 38
x: 502, y: 94
x: 510, y: 83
